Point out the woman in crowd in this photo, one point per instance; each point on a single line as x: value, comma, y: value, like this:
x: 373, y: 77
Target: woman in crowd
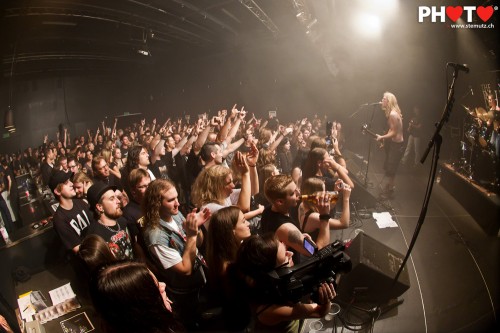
x: 257, y: 256
x: 284, y: 156
x: 265, y: 172
x: 130, y: 299
x: 94, y: 251
x: 320, y: 164
x: 214, y: 187
x: 113, y: 168
x: 117, y: 159
x: 81, y: 183
x: 308, y: 212
x: 228, y: 228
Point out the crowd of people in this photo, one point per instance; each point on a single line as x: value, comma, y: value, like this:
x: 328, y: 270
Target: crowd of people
x: 207, y: 207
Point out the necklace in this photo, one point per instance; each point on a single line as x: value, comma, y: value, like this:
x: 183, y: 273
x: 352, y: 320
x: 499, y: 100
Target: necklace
x: 109, y: 228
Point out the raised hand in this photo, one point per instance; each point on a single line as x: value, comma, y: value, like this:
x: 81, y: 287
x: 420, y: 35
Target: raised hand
x: 202, y: 216
x: 253, y: 155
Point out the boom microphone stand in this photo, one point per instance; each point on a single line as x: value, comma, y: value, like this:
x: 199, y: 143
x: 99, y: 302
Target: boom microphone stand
x: 435, y: 142
x: 374, y: 105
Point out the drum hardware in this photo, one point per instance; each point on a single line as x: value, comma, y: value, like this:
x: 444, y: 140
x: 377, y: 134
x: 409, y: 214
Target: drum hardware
x: 463, y: 166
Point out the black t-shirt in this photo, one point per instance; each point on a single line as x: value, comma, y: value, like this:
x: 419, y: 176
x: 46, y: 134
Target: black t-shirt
x: 193, y: 167
x: 119, y: 240
x: 46, y: 171
x: 271, y: 221
x: 131, y: 214
x: 159, y: 169
x: 72, y: 225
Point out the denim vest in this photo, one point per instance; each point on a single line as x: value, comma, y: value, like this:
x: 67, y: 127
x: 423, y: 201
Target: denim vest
x: 166, y: 236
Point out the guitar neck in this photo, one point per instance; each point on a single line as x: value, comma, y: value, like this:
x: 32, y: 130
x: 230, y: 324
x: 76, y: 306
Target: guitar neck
x: 367, y: 131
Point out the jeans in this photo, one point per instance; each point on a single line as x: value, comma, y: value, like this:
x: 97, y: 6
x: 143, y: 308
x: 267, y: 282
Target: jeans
x: 413, y: 144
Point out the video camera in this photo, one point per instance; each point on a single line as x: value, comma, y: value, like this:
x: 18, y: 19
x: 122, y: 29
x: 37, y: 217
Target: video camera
x: 291, y: 284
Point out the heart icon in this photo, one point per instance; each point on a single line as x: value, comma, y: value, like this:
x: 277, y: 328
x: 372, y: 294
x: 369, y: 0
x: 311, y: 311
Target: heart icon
x: 484, y: 13
x: 454, y: 13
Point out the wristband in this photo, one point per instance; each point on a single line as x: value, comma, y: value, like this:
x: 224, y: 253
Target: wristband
x: 324, y: 217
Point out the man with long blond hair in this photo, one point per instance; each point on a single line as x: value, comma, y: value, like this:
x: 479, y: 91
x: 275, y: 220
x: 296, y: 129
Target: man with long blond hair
x: 393, y: 142
x: 172, y: 242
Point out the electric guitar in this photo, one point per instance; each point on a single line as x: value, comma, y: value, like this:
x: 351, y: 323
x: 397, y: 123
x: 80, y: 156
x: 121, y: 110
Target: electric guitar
x: 365, y: 130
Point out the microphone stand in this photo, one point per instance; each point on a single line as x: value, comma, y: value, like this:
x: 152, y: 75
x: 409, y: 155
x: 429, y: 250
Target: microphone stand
x: 435, y: 141
x: 369, y: 147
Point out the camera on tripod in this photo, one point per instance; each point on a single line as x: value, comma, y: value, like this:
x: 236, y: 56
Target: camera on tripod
x: 291, y: 284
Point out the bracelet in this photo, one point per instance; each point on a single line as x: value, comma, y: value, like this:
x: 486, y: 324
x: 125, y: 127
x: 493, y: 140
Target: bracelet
x: 251, y: 166
x: 324, y: 217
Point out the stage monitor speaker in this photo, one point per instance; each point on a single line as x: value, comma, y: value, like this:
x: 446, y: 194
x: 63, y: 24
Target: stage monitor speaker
x: 374, y: 266
x: 356, y: 167
x: 360, y: 195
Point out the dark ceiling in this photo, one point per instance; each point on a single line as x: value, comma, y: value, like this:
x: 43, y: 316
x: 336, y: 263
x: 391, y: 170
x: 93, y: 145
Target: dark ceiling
x: 109, y: 35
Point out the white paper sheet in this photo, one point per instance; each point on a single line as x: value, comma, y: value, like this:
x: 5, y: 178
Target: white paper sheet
x: 61, y: 294
x: 384, y: 220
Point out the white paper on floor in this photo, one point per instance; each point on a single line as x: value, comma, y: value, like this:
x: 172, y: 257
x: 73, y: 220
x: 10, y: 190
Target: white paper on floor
x: 384, y: 220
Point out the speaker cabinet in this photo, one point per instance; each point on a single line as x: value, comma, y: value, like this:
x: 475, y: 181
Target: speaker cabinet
x: 374, y: 266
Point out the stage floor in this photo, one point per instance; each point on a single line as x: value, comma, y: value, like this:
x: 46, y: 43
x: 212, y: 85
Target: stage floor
x: 454, y: 266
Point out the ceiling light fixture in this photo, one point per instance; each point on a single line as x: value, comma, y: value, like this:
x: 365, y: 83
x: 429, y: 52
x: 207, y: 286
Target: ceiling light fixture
x: 8, y: 122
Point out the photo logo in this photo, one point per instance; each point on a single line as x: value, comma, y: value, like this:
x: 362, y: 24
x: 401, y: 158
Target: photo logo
x: 454, y: 13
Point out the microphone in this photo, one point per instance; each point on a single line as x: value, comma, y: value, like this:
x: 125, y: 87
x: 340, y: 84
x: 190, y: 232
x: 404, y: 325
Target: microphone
x: 372, y: 104
x: 460, y: 67
x: 471, y: 91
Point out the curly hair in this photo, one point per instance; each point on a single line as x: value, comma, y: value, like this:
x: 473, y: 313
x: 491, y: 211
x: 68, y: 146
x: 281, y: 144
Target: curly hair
x: 152, y: 201
x: 133, y: 157
x: 209, y: 186
x: 266, y: 156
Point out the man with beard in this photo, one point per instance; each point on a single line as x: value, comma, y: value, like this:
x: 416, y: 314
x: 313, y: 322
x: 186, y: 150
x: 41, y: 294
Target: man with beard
x: 107, y: 211
x: 72, y: 218
x: 172, y: 241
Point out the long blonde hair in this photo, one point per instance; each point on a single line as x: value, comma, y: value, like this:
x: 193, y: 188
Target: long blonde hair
x: 392, y: 104
x: 152, y: 201
x: 209, y: 186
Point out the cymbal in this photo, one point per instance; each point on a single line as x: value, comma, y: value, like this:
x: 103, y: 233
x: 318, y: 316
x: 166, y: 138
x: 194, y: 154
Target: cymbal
x: 486, y: 115
x: 480, y: 111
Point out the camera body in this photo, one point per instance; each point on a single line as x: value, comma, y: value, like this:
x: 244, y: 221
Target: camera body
x: 291, y: 284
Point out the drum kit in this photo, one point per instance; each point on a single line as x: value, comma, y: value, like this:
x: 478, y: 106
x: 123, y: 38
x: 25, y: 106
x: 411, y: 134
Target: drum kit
x: 479, y: 161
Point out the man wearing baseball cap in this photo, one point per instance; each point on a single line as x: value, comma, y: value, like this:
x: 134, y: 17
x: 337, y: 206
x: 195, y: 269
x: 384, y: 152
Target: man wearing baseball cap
x: 73, y: 217
x: 107, y: 211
